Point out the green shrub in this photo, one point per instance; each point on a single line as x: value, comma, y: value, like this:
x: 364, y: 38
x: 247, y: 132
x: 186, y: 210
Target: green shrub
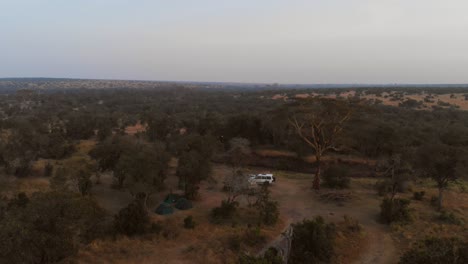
x: 396, y: 210
x: 132, y: 220
x: 156, y: 228
x: 189, y: 223
x: 234, y: 242
x: 253, y: 237
x: 336, y: 176
x: 271, y: 256
x: 312, y: 242
x: 437, y: 251
x: 419, y: 195
x: 450, y: 218
x: 268, y: 210
x: 223, y: 212
x: 383, y: 187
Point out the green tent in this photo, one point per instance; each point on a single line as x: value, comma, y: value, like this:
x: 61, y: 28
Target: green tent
x: 164, y: 209
x: 183, y: 204
x: 172, y: 198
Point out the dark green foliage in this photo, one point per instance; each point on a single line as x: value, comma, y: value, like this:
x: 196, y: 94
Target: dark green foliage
x: 84, y: 184
x: 191, y: 170
x: 253, y: 237
x: 194, y: 164
x: 383, y: 187
x: 439, y: 162
x: 450, y: 218
x: 189, y: 223
x: 436, y: 250
x: 395, y: 210
x: 270, y: 257
x: 234, y: 242
x: 143, y: 169
x: 419, y: 195
x: 337, y: 177
x: 132, y: 220
x: 155, y: 228
x: 268, y: 210
x: 312, y: 242
x: 48, y: 228
x: 80, y: 126
x: 223, y: 212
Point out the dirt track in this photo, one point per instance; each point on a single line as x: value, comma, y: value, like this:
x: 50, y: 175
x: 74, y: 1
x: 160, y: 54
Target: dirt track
x: 298, y: 202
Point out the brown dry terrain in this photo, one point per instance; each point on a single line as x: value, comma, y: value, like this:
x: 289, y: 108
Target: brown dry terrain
x: 456, y: 99
x: 207, y: 243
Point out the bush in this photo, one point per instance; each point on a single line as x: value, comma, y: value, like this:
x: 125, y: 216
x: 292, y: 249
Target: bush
x: 336, y: 176
x: 234, y: 243
x: 132, y: 220
x: 450, y: 218
x: 395, y: 210
x: 383, y: 187
x: 270, y: 257
x: 312, y: 242
x: 419, y: 195
x: 155, y: 228
x: 189, y: 223
x: 223, y: 212
x: 438, y: 251
x: 268, y: 209
x: 49, y: 227
x: 253, y: 237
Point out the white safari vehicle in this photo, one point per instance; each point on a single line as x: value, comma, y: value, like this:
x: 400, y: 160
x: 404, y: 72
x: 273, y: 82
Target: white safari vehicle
x: 262, y: 178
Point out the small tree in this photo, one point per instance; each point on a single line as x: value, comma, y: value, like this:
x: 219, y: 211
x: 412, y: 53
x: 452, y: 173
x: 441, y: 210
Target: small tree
x: 267, y: 209
x: 144, y: 170
x: 437, y: 250
x: 397, y: 172
x: 79, y: 169
x: 133, y: 219
x: 439, y: 162
x: 312, y: 242
x: 49, y: 227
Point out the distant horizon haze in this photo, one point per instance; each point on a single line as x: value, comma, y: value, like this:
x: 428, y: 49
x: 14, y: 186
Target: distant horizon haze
x: 362, y: 42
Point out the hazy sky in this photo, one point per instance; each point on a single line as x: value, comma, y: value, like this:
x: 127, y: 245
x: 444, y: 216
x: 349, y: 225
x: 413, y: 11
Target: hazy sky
x: 287, y: 41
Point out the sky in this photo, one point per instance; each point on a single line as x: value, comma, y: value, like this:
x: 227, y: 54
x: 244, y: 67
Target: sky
x: 264, y: 41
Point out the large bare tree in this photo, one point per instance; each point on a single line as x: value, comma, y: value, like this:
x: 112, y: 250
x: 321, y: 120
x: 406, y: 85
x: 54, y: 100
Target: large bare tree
x: 319, y: 122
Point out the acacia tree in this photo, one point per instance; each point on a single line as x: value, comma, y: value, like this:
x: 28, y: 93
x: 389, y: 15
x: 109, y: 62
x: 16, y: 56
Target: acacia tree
x: 397, y: 171
x: 319, y: 122
x: 439, y: 162
x: 143, y: 169
x: 194, y: 165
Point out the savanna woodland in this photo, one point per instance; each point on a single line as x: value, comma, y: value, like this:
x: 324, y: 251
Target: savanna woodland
x: 154, y: 172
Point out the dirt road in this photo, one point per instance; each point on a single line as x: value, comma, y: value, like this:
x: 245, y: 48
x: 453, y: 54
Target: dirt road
x: 298, y: 202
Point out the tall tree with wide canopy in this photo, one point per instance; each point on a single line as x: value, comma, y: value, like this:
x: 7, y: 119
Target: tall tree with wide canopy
x: 144, y: 169
x: 319, y: 122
